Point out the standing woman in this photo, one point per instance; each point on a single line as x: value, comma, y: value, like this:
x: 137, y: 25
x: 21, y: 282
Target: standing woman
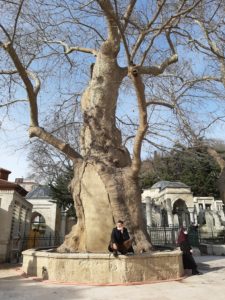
x: 185, y: 247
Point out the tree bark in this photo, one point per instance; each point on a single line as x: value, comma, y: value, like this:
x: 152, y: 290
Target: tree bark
x: 103, y: 187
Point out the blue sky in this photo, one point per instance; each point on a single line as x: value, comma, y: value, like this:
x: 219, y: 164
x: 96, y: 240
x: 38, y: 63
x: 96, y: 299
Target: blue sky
x: 14, y: 162
x: 13, y: 137
x: 13, y: 134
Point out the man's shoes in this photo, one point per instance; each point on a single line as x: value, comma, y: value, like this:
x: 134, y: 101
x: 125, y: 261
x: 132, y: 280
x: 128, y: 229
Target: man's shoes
x: 129, y: 253
x: 115, y: 253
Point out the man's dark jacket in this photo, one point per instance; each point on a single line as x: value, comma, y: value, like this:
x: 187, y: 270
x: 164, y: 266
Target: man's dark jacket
x: 118, y: 237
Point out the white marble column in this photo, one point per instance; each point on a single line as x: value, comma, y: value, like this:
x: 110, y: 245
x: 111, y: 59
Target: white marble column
x: 148, y: 202
x: 191, y: 212
x: 63, y: 224
x: 169, y: 212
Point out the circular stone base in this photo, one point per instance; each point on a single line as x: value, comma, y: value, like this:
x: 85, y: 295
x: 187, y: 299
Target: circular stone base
x: 99, y: 268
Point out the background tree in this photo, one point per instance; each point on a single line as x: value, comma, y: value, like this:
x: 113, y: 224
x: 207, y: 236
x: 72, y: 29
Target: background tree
x: 194, y: 167
x: 60, y: 192
x: 131, y: 42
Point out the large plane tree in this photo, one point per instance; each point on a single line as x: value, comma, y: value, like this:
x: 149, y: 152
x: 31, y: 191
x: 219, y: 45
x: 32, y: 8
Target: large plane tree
x: 129, y: 44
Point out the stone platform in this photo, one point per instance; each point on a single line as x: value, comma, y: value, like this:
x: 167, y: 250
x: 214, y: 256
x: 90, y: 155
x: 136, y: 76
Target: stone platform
x: 212, y: 249
x: 102, y: 268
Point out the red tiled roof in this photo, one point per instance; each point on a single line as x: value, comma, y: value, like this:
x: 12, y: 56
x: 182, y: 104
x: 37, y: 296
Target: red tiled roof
x: 7, y: 185
x: 7, y: 171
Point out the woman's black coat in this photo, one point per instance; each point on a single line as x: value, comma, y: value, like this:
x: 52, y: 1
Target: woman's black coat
x: 188, y: 260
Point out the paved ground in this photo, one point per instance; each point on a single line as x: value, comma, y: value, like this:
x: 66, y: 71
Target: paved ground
x: 210, y: 285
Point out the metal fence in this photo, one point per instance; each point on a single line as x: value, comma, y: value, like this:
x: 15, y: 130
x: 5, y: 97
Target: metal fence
x: 167, y: 236
x: 160, y: 237
x: 163, y: 236
x: 212, y: 237
x: 41, y: 242
x: 16, y: 247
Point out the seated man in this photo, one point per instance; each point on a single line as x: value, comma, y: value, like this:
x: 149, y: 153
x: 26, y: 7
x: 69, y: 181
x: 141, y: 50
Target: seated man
x: 120, y: 240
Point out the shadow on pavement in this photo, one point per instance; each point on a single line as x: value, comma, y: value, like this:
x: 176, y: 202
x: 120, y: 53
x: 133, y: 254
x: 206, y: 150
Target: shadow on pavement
x: 13, y: 286
x: 207, y: 268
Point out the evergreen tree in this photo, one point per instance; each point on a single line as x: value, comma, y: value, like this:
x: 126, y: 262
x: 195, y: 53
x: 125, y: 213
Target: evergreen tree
x: 194, y: 167
x: 60, y: 191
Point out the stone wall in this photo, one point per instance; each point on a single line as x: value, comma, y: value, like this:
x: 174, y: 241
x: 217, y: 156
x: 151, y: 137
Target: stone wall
x: 15, y: 214
x: 103, y: 268
x: 5, y: 222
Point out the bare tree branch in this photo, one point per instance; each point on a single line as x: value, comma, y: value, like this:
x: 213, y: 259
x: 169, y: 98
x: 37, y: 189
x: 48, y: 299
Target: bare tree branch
x: 8, y: 72
x: 13, y: 102
x: 128, y: 13
x: 212, y: 45
x: 32, y: 92
x: 68, y: 49
x: 167, y: 25
x: 16, y: 19
x: 160, y: 102
x: 113, y: 33
x: 145, y: 31
x: 6, y: 33
x: 156, y: 70
x: 36, y: 80
x: 39, y: 132
x: 28, y: 84
x: 157, y: 146
x: 221, y: 118
x: 143, y: 123
x: 121, y: 30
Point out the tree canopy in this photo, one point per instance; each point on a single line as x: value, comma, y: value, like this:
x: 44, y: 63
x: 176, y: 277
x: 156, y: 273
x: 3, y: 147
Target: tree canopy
x: 144, y: 74
x: 60, y: 192
x: 178, y: 48
x: 194, y: 167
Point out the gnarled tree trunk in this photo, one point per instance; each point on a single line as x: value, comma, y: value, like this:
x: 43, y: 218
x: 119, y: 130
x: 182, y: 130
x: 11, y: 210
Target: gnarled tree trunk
x: 104, y: 187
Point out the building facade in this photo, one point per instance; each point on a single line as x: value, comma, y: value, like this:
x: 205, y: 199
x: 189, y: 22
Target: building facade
x: 49, y: 222
x: 15, y: 216
x: 173, y: 204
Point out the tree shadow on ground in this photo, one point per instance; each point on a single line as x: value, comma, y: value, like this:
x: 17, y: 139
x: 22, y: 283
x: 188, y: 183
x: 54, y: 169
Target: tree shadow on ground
x: 207, y: 268
x: 15, y: 286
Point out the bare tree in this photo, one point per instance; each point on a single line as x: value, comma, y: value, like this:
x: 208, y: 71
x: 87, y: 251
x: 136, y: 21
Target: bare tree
x: 139, y: 36
x: 206, y: 37
x: 45, y: 161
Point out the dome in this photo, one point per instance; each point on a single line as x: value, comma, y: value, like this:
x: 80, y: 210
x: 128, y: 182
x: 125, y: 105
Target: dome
x: 39, y: 193
x: 168, y: 184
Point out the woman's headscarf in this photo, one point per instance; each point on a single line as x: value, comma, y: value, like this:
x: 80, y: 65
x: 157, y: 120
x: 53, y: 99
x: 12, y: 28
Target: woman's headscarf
x: 181, y: 236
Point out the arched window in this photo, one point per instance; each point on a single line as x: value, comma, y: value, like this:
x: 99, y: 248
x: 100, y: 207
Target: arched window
x: 181, y: 210
x: 38, y: 222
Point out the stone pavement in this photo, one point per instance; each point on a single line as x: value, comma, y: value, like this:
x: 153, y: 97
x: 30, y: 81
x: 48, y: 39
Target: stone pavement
x: 209, y: 285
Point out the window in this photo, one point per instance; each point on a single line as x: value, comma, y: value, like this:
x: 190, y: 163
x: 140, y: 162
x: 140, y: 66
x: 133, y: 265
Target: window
x: 38, y: 223
x: 208, y: 206
x: 200, y: 206
x: 219, y: 207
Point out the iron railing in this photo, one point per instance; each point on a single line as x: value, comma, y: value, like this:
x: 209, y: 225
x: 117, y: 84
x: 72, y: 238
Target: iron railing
x: 212, y: 237
x: 167, y: 236
x: 163, y: 236
x: 41, y: 242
